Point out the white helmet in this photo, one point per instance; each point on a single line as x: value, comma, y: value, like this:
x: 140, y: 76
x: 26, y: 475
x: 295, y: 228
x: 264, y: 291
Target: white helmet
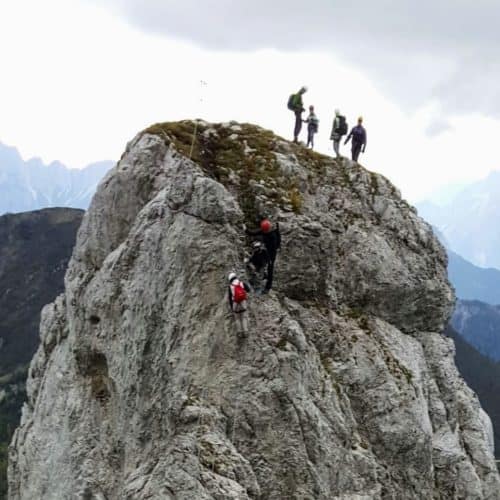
x: 231, y: 276
x: 256, y: 244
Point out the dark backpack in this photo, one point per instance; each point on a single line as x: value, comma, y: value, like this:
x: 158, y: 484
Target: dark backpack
x: 342, y: 128
x: 291, y: 103
x: 314, y: 124
x: 239, y: 293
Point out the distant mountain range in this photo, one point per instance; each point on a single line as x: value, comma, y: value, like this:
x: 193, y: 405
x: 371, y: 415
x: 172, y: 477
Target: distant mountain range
x: 479, y: 325
x: 483, y: 377
x: 469, y: 222
x: 477, y: 313
x: 35, y: 249
x: 32, y: 185
x: 472, y: 282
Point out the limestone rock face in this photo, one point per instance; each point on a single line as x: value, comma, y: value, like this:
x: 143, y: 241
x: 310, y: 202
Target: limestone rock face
x: 344, y: 386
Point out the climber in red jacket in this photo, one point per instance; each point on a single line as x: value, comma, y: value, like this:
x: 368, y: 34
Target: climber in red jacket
x: 238, y: 296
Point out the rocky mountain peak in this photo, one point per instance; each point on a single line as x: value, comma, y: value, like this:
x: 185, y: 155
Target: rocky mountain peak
x: 344, y: 385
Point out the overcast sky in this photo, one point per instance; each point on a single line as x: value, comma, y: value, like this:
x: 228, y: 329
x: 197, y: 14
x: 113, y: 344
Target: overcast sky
x: 81, y: 77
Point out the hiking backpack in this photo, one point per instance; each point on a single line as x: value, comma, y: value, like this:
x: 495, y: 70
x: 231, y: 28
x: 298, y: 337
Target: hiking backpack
x: 342, y: 128
x: 291, y: 103
x: 239, y: 293
x: 314, y: 123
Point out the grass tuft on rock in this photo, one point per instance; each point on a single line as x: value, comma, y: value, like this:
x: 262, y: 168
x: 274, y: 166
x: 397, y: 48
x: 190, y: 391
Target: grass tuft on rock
x: 241, y: 156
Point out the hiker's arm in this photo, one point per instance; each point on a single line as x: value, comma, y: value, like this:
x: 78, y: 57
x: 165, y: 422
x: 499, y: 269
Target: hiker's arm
x: 253, y: 232
x: 254, y: 260
x: 364, y: 141
x: 301, y: 104
x: 230, y: 297
x: 348, y: 138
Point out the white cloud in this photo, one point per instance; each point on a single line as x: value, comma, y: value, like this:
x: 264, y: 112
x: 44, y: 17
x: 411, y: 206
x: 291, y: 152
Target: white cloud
x: 415, y: 50
x: 437, y: 127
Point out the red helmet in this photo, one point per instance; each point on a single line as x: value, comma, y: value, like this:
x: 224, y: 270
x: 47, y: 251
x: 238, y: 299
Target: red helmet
x: 265, y: 225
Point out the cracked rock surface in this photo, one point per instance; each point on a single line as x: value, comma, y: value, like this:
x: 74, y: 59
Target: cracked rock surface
x: 343, y: 389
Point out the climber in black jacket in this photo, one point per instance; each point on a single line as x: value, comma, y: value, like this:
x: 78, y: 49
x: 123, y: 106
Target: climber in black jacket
x: 257, y: 264
x: 272, y: 241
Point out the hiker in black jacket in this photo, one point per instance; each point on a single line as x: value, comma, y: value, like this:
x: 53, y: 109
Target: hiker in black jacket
x: 272, y: 241
x: 358, y: 134
x: 256, y: 265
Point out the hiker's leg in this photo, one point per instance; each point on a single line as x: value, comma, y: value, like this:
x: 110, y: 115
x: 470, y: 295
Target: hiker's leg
x: 358, y: 150
x: 258, y: 280
x: 270, y: 271
x: 237, y: 321
x: 355, y: 151
x: 253, y: 276
x: 244, y: 322
x: 263, y: 275
x: 298, y: 125
x: 352, y: 153
x: 336, y: 145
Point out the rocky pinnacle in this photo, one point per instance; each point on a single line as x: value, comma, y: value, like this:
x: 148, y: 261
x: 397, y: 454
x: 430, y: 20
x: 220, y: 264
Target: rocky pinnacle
x: 345, y: 387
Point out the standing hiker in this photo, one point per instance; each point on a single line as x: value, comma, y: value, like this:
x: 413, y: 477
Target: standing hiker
x: 237, y: 297
x: 358, y: 134
x: 339, y: 129
x: 312, y: 126
x: 296, y: 105
x: 272, y: 241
